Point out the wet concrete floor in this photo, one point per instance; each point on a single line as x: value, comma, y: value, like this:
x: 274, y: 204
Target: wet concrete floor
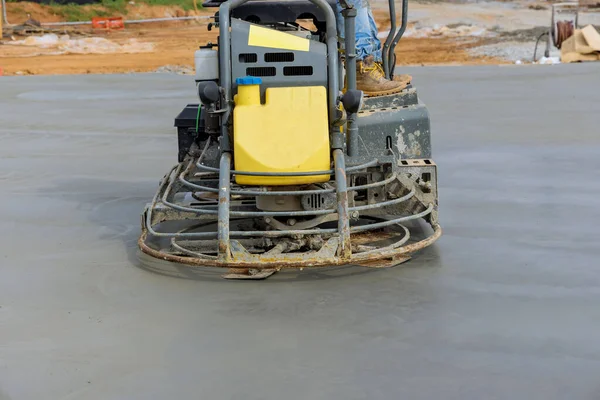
x: 505, y: 306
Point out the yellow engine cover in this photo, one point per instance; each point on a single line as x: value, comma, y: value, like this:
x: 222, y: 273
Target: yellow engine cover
x: 289, y: 133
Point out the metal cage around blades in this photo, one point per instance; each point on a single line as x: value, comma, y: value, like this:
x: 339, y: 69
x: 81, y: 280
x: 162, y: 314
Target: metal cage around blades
x: 347, y: 243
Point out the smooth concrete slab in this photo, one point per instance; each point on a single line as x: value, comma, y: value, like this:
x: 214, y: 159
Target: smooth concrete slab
x: 505, y: 306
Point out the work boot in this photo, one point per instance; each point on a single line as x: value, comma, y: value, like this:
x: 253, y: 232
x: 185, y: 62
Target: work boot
x: 401, y: 78
x: 406, y: 79
x: 370, y: 78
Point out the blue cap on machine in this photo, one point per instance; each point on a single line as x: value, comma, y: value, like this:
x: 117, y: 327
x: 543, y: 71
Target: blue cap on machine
x: 248, y: 80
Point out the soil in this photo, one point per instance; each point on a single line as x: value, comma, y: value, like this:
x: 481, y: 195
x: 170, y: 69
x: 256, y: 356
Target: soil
x: 17, y: 13
x: 175, y: 43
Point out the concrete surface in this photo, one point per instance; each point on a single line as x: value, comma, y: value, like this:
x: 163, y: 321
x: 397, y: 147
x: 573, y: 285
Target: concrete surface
x: 505, y: 306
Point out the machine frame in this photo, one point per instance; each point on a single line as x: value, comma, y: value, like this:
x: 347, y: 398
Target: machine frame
x: 201, y: 218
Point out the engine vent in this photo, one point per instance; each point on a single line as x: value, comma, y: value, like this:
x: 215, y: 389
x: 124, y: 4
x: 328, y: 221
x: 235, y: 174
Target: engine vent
x: 261, y: 71
x: 298, y: 71
x: 279, y: 57
x: 248, y: 58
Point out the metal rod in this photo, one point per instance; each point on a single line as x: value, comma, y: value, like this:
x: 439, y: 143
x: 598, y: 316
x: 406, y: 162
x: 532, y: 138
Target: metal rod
x: 389, y: 222
x: 191, y: 253
x: 248, y: 173
x: 342, y: 204
x: 209, y: 209
x: 272, y: 234
x: 166, y: 189
x: 392, y: 52
x: 167, y: 192
x: 328, y: 172
x: 70, y: 23
x: 349, y: 15
x: 166, y: 185
x: 383, y: 203
x: 253, y: 214
x: 293, y: 262
x: 132, y: 21
x: 388, y: 41
x: 254, y: 192
x: 341, y: 76
x: 209, y: 189
x: 223, y: 222
x: 374, y: 184
x: 193, y: 17
x: 392, y: 246
x: 352, y: 132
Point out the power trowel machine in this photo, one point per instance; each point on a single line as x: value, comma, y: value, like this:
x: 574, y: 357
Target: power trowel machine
x: 284, y: 164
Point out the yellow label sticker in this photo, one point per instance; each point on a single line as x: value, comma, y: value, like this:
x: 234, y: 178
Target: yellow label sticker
x: 264, y: 37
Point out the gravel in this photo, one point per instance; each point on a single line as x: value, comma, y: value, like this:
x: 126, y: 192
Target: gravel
x: 524, y: 35
x: 512, y: 51
x: 176, y: 69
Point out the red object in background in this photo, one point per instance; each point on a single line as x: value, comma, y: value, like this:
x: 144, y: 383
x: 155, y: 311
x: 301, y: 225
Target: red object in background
x: 108, y: 23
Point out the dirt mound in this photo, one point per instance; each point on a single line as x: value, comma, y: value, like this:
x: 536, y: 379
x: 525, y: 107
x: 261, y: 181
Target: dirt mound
x: 174, y: 45
x: 17, y: 12
x: 141, y: 10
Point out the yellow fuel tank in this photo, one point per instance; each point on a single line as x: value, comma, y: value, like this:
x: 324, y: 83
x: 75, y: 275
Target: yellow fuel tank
x: 289, y: 133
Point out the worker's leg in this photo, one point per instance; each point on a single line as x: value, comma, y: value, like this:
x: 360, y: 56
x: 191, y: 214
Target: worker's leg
x: 367, y: 42
x: 369, y: 72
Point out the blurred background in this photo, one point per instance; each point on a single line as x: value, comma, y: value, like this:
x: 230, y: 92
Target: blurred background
x: 116, y: 36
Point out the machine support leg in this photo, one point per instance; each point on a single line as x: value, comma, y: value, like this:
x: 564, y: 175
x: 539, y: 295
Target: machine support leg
x: 224, y: 195
x: 342, y: 203
x: 341, y: 71
x: 352, y: 131
x: 349, y: 13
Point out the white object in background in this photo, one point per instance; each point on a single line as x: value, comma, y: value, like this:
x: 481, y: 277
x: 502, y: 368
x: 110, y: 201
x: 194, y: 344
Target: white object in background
x: 207, y: 64
x: 549, y: 60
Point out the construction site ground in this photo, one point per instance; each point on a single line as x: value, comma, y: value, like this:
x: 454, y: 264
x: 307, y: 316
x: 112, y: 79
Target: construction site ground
x: 503, y: 306
x: 175, y: 46
x: 506, y: 24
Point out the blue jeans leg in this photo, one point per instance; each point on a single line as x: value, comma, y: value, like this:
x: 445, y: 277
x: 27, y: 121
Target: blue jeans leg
x: 367, y: 42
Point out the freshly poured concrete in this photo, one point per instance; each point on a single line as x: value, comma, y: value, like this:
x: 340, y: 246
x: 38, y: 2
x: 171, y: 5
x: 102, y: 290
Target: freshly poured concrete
x: 505, y: 306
